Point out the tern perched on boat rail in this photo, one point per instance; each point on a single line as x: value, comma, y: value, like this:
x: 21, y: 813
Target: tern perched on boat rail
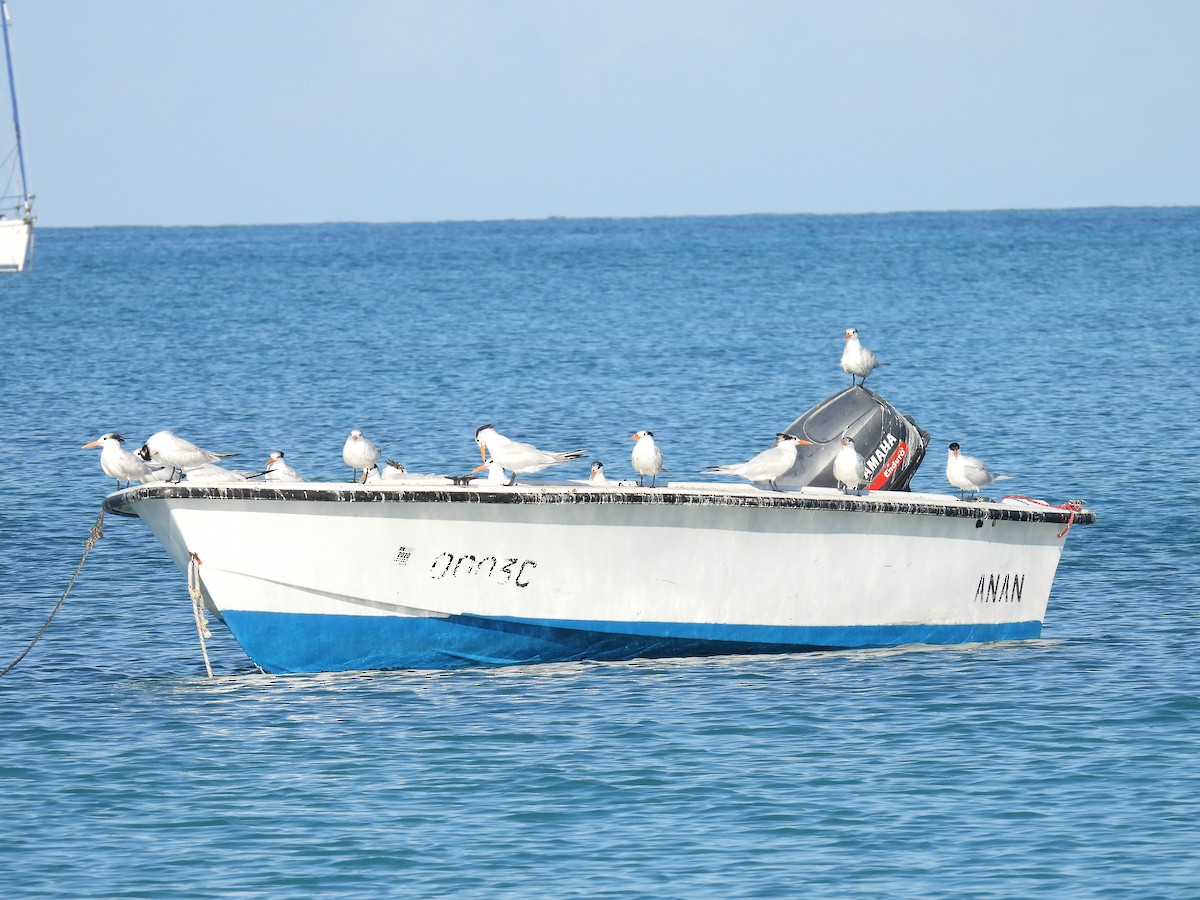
x: 517, y: 457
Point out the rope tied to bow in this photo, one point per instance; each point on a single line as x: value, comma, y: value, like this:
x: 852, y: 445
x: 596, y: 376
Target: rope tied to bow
x: 1073, y: 506
x: 198, y: 608
x: 94, y: 534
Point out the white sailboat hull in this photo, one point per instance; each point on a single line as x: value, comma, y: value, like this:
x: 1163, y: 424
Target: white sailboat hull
x: 14, y: 244
x: 336, y: 577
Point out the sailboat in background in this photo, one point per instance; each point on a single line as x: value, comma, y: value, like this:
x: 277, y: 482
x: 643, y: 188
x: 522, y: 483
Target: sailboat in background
x: 16, y: 203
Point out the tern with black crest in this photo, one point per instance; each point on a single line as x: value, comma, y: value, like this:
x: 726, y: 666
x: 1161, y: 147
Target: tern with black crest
x: 517, y: 457
x: 774, y: 462
x: 278, y: 470
x: 119, y: 463
x: 968, y: 473
x: 168, y: 449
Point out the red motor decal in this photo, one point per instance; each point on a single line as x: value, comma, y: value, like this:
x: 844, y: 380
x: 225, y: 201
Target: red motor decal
x: 889, y: 468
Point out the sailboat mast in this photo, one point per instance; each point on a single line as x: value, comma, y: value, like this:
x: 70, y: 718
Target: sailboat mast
x: 12, y: 89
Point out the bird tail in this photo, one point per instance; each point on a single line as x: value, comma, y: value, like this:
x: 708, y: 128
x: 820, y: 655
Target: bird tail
x: 572, y: 454
x: 1003, y: 477
x: 723, y: 470
x: 225, y: 455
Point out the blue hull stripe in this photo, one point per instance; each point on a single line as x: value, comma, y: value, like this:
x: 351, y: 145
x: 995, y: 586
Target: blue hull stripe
x: 292, y: 642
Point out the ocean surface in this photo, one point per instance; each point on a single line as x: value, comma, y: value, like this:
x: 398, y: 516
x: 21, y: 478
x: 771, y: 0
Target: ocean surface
x: 1060, y: 346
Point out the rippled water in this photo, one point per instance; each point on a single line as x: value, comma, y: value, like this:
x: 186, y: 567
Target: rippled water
x: 1057, y: 345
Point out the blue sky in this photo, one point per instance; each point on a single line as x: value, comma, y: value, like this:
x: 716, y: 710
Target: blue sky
x: 171, y: 113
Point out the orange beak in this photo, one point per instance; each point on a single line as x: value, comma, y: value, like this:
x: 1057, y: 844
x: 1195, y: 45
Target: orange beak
x: 483, y: 465
x: 633, y: 437
x: 482, y: 452
x: 91, y: 444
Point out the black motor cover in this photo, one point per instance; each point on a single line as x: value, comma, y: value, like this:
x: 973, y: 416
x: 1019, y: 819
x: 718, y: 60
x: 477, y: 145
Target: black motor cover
x: 891, y: 443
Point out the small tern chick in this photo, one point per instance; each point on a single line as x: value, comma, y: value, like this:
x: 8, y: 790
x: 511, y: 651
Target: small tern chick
x: 849, y: 468
x: 647, y: 457
x: 495, y: 472
x: 167, y: 449
x: 597, y: 479
x: 117, y: 462
x: 857, y: 360
x: 359, y: 453
x: 278, y: 470
x: 772, y: 463
x: 967, y: 473
x: 519, y: 458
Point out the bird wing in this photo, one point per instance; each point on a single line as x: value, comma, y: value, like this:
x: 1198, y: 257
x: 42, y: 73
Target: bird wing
x: 975, y: 471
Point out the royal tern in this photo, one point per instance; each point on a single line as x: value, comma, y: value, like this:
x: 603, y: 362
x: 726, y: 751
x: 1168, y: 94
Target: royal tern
x: 772, y: 463
x: 392, y: 471
x: 158, y: 474
x: 519, y: 458
x: 857, y: 360
x: 495, y: 472
x: 206, y: 473
x: 167, y: 449
x: 647, y: 457
x: 278, y: 470
x: 597, y: 479
x: 967, y: 473
x: 849, y: 468
x: 119, y: 463
x: 359, y: 453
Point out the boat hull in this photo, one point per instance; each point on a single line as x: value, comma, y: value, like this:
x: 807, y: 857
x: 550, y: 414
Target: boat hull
x: 332, y: 577
x: 14, y: 244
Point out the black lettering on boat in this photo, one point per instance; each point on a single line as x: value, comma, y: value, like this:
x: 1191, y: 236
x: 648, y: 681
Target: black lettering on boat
x: 467, y: 565
x: 438, y: 559
x: 1000, y: 588
x: 528, y: 562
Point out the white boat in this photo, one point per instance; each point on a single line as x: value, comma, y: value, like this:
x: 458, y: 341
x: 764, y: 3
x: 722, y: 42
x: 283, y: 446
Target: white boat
x: 325, y: 577
x: 16, y: 203
x: 322, y: 577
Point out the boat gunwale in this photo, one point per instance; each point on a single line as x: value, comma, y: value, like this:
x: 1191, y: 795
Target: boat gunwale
x: 1019, y: 510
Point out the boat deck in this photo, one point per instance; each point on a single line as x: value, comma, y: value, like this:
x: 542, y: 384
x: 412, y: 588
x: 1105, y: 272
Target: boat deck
x: 1019, y: 509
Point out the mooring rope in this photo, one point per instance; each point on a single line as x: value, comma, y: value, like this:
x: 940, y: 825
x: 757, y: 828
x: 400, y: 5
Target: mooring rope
x: 198, y: 608
x: 1073, y: 506
x: 97, y: 532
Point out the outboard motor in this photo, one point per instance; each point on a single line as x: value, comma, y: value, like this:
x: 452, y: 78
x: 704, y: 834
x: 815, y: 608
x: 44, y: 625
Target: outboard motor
x: 891, y: 443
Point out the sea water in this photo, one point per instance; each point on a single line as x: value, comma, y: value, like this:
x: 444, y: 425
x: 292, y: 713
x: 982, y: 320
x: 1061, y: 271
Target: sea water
x: 1060, y: 346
